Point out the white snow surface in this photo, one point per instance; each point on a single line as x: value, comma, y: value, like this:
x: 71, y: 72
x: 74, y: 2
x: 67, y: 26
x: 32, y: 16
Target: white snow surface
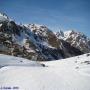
x: 6, y: 60
x: 66, y: 74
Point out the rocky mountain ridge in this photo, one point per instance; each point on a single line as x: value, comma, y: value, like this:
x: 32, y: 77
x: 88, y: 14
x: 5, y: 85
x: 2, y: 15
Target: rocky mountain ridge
x: 37, y: 42
x: 76, y: 39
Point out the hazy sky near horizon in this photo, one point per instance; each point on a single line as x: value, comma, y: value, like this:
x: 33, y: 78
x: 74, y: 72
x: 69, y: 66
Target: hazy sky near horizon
x: 56, y: 14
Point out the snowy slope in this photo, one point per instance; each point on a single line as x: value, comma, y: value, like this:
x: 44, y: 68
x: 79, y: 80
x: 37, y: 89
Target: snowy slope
x: 66, y: 74
x: 6, y: 60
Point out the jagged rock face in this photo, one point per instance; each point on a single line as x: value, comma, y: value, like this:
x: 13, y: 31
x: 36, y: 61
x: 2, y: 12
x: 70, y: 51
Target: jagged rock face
x: 47, y: 41
x: 11, y: 40
x: 77, y: 40
x: 51, y: 44
x: 69, y: 50
x: 44, y: 35
x: 35, y: 42
x: 23, y: 42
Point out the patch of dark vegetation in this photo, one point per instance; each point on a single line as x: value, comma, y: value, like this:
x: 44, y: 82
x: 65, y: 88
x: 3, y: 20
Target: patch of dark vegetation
x: 88, y: 54
x: 75, y: 61
x: 43, y: 65
x: 77, y: 67
x: 87, y: 62
x: 21, y: 61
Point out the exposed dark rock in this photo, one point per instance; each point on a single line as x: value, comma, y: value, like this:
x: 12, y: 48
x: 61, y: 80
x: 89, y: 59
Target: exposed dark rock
x: 37, y: 42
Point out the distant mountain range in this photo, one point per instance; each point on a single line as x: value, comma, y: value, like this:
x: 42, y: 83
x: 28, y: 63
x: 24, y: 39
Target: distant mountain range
x: 37, y: 42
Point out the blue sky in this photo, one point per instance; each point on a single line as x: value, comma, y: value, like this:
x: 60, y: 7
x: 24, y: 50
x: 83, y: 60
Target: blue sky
x: 56, y: 14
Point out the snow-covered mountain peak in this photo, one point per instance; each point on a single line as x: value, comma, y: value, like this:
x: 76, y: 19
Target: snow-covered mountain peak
x: 68, y: 33
x: 76, y: 39
x: 36, y: 26
x: 3, y: 17
x: 60, y: 34
x: 72, y: 33
x: 41, y: 30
